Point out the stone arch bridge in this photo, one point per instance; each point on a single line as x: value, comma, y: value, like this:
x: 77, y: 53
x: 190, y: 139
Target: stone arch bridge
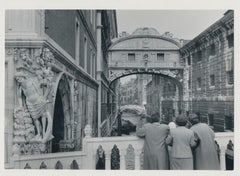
x: 145, y: 51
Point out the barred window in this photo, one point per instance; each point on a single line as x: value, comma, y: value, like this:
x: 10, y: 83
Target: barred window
x: 212, y: 50
x: 160, y: 56
x: 199, y: 83
x: 189, y: 60
x: 199, y: 56
x: 230, y: 41
x: 229, y: 123
x: 210, y: 119
x: 212, y: 80
x: 230, y: 77
x: 131, y: 56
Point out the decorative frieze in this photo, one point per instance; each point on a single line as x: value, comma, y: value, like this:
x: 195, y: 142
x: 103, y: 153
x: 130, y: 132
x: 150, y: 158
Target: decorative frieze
x: 173, y: 73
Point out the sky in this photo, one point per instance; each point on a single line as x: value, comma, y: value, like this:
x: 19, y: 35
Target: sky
x: 184, y: 24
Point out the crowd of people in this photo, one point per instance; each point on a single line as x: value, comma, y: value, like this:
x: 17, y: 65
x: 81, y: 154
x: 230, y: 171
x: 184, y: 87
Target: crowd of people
x: 186, y: 144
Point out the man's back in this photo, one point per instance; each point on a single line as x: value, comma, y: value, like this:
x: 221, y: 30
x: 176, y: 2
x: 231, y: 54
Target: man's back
x: 205, y: 153
x: 155, y: 150
x: 182, y: 141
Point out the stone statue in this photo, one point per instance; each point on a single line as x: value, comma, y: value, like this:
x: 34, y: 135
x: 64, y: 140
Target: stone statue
x: 36, y: 103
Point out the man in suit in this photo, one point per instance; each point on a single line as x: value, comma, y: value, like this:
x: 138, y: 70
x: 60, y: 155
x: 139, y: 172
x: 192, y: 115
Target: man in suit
x: 182, y: 140
x: 155, y: 150
x: 205, y: 154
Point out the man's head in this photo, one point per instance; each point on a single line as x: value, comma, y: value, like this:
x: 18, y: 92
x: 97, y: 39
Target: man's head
x: 155, y: 117
x: 194, y: 118
x: 181, y: 120
x: 164, y: 119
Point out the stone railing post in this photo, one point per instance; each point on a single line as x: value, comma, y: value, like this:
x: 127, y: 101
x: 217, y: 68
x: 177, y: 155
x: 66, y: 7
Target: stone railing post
x: 88, y: 131
x: 123, y: 159
x: 137, y: 160
x: 222, y: 158
x: 108, y: 160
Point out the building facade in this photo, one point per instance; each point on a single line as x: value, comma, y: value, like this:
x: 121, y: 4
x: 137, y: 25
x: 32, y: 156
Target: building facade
x: 208, y: 79
x: 142, y: 81
x: 53, y: 73
x: 209, y: 59
x: 163, y: 97
x: 128, y: 93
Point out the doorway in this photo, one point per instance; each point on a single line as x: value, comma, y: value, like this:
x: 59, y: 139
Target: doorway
x: 58, y: 123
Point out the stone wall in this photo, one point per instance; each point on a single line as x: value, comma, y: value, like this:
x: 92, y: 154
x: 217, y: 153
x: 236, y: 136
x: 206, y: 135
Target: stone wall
x: 210, y: 59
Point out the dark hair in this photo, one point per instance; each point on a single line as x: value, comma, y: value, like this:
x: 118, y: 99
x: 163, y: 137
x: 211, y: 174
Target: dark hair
x: 181, y: 123
x: 148, y: 119
x: 194, y: 118
x: 181, y: 120
x: 155, y: 117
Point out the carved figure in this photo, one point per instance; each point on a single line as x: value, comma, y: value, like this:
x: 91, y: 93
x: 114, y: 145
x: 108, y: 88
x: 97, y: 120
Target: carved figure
x: 36, y: 104
x: 100, y: 158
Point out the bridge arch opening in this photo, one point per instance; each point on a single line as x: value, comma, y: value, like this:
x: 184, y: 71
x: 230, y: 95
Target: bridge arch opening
x: 157, y: 93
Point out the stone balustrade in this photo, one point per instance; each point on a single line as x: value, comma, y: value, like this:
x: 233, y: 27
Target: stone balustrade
x: 123, y: 152
x: 63, y: 160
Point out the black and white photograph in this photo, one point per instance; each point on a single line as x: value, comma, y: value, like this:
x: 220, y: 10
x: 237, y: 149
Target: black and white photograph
x: 115, y: 89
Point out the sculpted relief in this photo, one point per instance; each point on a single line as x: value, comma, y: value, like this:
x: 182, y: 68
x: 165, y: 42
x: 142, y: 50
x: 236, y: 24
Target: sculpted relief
x: 32, y: 117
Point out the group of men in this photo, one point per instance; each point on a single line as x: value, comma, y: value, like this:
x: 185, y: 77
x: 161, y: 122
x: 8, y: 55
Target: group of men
x: 185, y: 147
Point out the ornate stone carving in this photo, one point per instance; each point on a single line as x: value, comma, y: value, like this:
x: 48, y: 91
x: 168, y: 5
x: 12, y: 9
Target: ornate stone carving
x: 27, y: 166
x: 43, y: 166
x: 100, y: 158
x: 173, y: 73
x: 115, y: 158
x: 74, y: 165
x: 34, y: 94
x: 23, y: 126
x: 58, y: 165
x: 130, y: 158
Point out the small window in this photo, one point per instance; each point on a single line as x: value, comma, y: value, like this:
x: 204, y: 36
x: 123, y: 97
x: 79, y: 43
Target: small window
x: 131, y: 56
x: 85, y: 53
x: 229, y: 123
x: 160, y: 56
x: 199, y: 83
x: 189, y: 60
x: 77, y: 40
x: 199, y: 56
x: 212, y: 80
x: 230, y: 77
x: 230, y: 41
x: 212, y: 50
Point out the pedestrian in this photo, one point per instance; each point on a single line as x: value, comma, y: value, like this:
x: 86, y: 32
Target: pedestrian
x: 182, y: 140
x: 172, y: 125
x: 155, y: 151
x: 205, y: 154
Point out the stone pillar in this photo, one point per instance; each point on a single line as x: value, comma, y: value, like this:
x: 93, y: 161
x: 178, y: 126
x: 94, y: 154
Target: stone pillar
x: 9, y: 103
x: 176, y: 101
x: 222, y: 158
x: 19, y: 26
x: 122, y: 159
x: 99, y: 67
x: 108, y: 160
x: 72, y: 105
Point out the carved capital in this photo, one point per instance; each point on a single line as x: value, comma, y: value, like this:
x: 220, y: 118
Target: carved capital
x: 88, y: 131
